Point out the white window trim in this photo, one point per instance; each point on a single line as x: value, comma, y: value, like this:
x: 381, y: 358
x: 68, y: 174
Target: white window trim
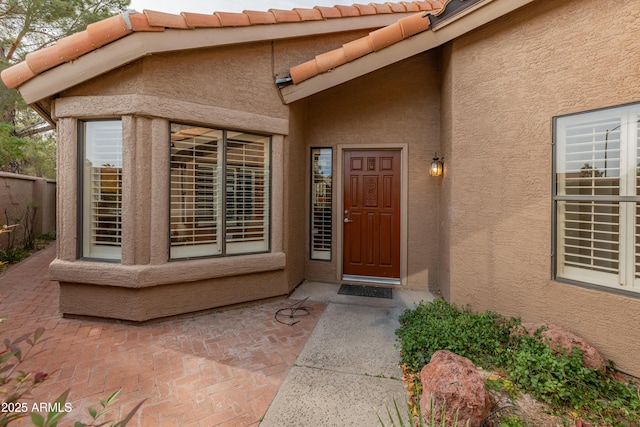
x: 89, y: 248
x: 627, y: 201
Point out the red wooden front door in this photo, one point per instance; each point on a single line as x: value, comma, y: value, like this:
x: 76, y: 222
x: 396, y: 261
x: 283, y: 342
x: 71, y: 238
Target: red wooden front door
x: 371, y: 217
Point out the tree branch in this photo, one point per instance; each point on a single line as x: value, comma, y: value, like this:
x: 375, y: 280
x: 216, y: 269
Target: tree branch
x: 33, y: 129
x: 8, y: 11
x: 26, y: 26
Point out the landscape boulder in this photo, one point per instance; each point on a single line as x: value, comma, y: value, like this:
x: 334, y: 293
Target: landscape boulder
x: 558, y: 337
x: 453, y: 381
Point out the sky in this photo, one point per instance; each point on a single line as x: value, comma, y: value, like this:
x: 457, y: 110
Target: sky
x: 210, y: 6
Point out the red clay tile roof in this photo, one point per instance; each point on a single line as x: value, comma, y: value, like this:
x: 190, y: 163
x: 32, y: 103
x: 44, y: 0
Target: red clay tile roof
x: 375, y: 41
x: 108, y: 30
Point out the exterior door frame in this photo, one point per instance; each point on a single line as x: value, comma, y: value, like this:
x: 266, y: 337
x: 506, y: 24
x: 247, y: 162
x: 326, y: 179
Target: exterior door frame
x: 404, y: 192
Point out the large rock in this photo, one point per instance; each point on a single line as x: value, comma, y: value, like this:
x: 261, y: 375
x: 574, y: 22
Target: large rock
x: 454, y: 381
x: 558, y: 337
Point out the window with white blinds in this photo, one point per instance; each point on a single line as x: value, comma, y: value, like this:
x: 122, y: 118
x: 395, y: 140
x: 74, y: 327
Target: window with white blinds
x: 321, y: 198
x: 102, y: 189
x: 596, y: 197
x: 196, y: 196
x: 247, y: 193
x: 219, y: 192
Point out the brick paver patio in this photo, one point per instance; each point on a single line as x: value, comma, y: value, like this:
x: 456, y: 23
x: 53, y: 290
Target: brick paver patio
x: 219, y: 368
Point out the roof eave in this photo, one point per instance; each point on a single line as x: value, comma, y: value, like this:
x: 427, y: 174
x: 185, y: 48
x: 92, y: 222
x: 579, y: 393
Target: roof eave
x: 429, y: 39
x: 140, y: 44
x: 359, y: 67
x: 44, y: 113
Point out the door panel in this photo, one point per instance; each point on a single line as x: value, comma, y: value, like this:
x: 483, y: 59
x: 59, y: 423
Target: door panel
x: 386, y: 239
x: 372, y: 213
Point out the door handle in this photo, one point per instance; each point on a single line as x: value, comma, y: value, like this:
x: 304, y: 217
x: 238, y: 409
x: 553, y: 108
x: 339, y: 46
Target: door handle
x: 348, y: 220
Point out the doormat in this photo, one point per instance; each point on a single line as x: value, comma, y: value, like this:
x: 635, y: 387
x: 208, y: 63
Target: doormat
x: 366, y: 291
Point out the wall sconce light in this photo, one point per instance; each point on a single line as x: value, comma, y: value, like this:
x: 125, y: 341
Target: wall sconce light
x: 436, y: 166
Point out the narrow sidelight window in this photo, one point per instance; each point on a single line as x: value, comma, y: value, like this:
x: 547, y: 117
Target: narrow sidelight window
x: 101, y: 189
x: 321, y: 198
x: 596, y: 197
x: 219, y: 192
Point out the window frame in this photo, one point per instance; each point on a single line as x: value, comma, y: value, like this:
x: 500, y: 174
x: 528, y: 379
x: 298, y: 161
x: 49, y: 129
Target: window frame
x: 626, y: 201
x: 222, y: 182
x: 311, y: 205
x: 82, y: 251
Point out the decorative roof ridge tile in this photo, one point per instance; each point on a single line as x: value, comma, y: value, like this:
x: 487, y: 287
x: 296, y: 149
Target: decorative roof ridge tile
x: 233, y: 19
x: 309, y: 14
x: 346, y: 11
x: 139, y: 23
x: 201, y: 20
x: 166, y: 20
x: 110, y: 29
x: 369, y: 9
x: 260, y: 17
x: 282, y: 15
x: 395, y: 7
x: 376, y: 40
x: 381, y: 8
x: 329, y: 12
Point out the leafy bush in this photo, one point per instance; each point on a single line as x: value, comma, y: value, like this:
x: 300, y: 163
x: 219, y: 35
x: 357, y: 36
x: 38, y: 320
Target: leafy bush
x: 47, y: 237
x: 440, y: 326
x: 562, y: 381
x: 14, y: 253
x: 559, y: 379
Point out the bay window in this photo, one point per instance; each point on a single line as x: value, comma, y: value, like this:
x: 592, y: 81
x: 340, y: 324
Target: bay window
x: 101, y: 197
x: 596, y: 200
x: 220, y: 192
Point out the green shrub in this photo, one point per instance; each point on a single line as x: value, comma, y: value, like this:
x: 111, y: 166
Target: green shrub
x: 47, y: 237
x: 562, y: 381
x: 559, y: 379
x: 434, y: 326
x: 13, y: 254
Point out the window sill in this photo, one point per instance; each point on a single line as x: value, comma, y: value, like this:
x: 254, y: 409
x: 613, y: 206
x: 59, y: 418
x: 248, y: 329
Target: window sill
x: 601, y: 288
x: 142, y: 276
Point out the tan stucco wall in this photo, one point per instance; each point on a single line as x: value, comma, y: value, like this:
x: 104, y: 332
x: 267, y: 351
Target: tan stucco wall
x: 295, y: 155
x: 140, y: 304
x: 444, y: 213
x: 395, y: 105
x: 236, y: 77
x: 505, y: 82
x: 291, y: 52
x: 229, y: 87
x: 19, y: 193
x: 126, y: 79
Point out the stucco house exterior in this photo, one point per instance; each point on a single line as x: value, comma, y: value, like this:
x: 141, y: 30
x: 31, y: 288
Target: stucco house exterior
x: 207, y: 160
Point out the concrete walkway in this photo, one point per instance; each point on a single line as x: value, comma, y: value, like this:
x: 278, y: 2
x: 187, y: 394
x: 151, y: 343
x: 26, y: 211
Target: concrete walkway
x: 348, y: 371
